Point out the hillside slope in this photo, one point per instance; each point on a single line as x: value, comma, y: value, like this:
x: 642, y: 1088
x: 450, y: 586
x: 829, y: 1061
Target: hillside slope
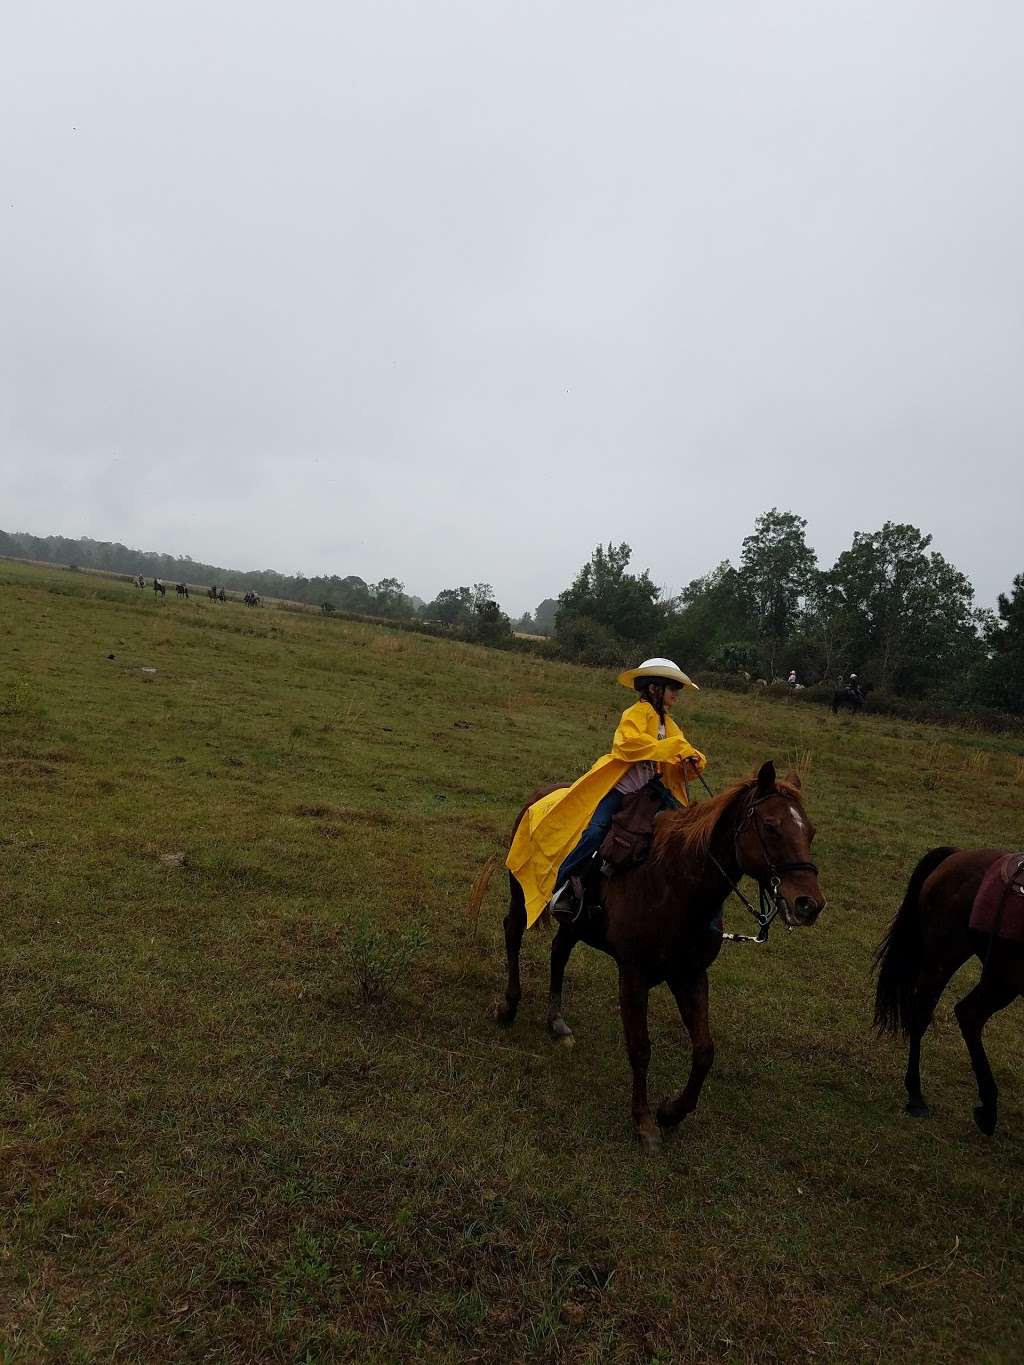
x: 213, y: 1149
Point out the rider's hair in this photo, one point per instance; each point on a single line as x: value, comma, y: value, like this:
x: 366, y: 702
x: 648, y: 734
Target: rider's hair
x: 643, y: 686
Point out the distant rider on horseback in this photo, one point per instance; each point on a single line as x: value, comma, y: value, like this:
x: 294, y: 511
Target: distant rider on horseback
x: 561, y: 832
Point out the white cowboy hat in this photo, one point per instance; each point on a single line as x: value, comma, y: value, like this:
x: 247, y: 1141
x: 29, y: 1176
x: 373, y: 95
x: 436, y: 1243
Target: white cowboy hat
x: 657, y: 668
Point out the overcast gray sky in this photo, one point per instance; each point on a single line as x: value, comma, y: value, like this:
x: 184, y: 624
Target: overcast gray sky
x: 454, y: 291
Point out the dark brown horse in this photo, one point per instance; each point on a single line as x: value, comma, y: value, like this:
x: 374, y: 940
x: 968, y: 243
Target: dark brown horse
x: 930, y: 939
x: 661, y: 921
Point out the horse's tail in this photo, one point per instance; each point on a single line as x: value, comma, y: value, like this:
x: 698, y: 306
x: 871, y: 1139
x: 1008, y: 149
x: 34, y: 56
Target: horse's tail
x: 483, y: 881
x: 898, y: 958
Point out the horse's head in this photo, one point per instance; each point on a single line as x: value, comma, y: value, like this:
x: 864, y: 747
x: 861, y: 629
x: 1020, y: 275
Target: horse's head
x: 773, y: 845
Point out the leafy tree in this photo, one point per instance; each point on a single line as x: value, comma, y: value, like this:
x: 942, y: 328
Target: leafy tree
x: 544, y: 616
x: 354, y: 593
x: 829, y: 626
x: 775, y: 571
x: 451, y: 606
x: 388, y: 597
x: 1000, y: 679
x: 491, y: 626
x: 603, y: 592
x: 908, y: 615
x: 527, y: 625
x: 711, y: 623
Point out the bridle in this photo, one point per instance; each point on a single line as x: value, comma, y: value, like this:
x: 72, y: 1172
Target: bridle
x: 770, y: 886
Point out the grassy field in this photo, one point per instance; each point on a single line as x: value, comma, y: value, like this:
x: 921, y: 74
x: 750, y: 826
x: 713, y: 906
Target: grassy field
x: 213, y: 1147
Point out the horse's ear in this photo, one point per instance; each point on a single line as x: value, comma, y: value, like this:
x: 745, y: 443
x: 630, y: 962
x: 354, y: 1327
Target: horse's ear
x: 766, y: 778
x: 793, y: 778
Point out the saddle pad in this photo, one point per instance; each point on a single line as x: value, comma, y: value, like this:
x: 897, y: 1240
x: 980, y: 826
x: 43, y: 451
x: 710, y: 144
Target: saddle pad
x: 999, y: 905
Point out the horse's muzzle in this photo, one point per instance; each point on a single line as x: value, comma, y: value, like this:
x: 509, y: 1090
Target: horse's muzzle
x: 806, y: 910
x: 801, y: 911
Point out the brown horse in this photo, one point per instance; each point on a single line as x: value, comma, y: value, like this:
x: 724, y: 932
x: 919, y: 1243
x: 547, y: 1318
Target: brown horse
x: 929, y: 939
x: 661, y: 921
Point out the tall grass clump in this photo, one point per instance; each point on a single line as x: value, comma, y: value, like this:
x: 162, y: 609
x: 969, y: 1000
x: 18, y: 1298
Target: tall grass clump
x: 378, y: 956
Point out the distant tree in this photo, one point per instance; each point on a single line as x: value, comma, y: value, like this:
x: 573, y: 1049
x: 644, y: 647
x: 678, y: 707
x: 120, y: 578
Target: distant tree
x: 909, y: 614
x: 829, y: 626
x: 710, y: 624
x: 1000, y: 677
x: 491, y: 626
x: 526, y: 624
x: 452, y: 607
x: 388, y: 597
x: 775, y: 572
x: 626, y: 605
x: 544, y: 616
x: 354, y: 593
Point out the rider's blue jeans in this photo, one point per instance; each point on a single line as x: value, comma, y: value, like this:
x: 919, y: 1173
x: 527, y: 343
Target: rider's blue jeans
x: 604, y: 813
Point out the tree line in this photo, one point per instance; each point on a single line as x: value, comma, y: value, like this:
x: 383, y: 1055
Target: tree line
x: 469, y: 612
x: 890, y: 608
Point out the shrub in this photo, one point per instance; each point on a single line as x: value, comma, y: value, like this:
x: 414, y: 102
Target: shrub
x: 379, y: 955
x: 587, y: 641
x: 724, y: 682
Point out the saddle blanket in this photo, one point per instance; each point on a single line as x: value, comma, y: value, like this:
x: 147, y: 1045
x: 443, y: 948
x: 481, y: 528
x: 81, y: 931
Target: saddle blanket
x: 999, y: 905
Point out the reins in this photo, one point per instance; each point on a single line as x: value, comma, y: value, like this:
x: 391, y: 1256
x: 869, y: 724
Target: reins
x: 770, y: 895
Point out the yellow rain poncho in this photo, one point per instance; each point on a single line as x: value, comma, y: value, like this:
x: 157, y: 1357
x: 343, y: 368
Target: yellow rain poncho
x: 554, y: 825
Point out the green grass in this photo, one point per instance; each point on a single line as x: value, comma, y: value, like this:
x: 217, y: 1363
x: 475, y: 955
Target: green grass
x: 216, y: 1145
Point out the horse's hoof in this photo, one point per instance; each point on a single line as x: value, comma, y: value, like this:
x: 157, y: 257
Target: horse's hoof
x: 667, y: 1118
x: 985, y: 1118
x: 649, y: 1142
x: 560, y: 1030
x: 505, y: 1014
x: 918, y: 1109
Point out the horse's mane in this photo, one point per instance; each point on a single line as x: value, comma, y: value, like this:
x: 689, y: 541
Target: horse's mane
x: 690, y: 830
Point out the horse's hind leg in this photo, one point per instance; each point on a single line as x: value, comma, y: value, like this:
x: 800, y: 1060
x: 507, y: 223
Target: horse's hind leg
x: 972, y: 1014
x: 926, y: 996
x: 515, y: 925
x: 692, y: 999
x: 565, y: 941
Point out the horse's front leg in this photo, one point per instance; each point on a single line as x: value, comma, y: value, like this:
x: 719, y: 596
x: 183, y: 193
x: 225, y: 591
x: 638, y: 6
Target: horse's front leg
x: 633, y: 994
x: 565, y: 941
x: 692, y: 998
x: 972, y: 1014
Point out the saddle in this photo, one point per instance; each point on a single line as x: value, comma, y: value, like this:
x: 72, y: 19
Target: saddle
x: 999, y: 905
x: 629, y: 836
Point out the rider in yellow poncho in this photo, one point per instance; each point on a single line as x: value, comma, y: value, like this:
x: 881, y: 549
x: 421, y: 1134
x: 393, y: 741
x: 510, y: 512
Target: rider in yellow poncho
x: 559, y: 834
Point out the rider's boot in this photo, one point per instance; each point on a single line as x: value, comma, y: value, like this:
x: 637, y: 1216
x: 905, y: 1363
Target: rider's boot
x: 567, y: 903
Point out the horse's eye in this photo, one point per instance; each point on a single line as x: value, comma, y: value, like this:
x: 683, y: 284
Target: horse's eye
x: 771, y: 826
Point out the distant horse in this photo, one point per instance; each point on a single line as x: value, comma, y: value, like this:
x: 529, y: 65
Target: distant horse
x: 182, y: 590
x: 849, y: 698
x: 252, y: 599
x: 928, y: 941
x: 660, y: 921
x: 139, y: 581
x: 158, y: 587
x: 221, y: 597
